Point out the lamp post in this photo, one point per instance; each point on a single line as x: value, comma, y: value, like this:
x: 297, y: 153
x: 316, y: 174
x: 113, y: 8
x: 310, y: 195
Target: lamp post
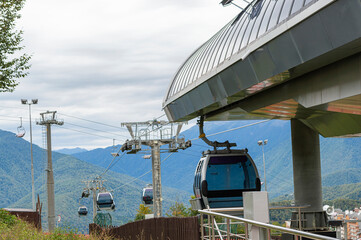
x: 25, y: 102
x: 262, y: 143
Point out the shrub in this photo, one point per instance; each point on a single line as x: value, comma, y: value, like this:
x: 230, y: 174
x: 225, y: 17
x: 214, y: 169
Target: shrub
x: 6, y: 218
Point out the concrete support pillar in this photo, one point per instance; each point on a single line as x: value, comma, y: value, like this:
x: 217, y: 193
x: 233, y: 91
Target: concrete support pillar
x: 256, y: 208
x: 94, y: 191
x: 157, y: 182
x: 50, y: 183
x: 307, y: 177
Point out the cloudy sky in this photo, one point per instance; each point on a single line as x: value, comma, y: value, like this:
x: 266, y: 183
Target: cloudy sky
x: 104, y: 62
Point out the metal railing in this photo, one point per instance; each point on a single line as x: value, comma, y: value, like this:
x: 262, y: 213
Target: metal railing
x: 212, y: 231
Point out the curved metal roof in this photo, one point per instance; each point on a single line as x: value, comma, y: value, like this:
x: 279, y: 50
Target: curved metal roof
x: 279, y: 59
x: 234, y: 40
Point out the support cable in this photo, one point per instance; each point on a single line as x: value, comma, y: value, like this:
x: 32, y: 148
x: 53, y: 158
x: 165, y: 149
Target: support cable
x: 104, y: 124
x: 96, y: 130
x: 97, y: 135
x: 233, y: 129
x: 142, y: 174
x: 109, y: 166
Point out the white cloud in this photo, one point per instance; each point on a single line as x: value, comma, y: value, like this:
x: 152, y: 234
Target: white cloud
x: 106, y: 61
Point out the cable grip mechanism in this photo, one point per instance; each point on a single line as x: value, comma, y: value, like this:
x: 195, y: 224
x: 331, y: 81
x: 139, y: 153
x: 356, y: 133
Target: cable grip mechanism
x: 213, y: 144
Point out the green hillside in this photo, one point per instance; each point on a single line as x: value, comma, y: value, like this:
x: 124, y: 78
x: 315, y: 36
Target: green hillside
x: 69, y: 172
x: 340, y: 157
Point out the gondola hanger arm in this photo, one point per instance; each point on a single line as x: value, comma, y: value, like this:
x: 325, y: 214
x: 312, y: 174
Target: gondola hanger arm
x: 214, y: 144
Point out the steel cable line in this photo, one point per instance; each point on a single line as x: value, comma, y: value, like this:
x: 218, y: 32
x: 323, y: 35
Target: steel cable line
x: 12, y: 107
x: 9, y: 116
x: 97, y: 135
x: 108, y: 125
x: 229, y: 130
x: 10, y: 120
x: 193, y: 155
x: 95, y: 129
x: 142, y: 174
x: 109, y: 166
x: 161, y: 116
x: 233, y: 129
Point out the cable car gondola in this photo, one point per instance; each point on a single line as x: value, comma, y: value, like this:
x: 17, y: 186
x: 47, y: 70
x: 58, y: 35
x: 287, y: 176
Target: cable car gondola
x: 105, y: 201
x: 20, y: 130
x: 147, y: 194
x: 82, y: 211
x: 222, y: 176
x: 114, y: 152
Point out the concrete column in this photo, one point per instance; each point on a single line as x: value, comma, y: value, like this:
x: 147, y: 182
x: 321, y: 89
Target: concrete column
x: 256, y: 208
x: 157, y: 181
x: 307, y: 176
x: 50, y: 183
x: 94, y: 202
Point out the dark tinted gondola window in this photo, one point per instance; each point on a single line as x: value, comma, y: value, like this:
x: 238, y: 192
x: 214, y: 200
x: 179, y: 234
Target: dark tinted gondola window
x: 148, y: 192
x: 230, y: 173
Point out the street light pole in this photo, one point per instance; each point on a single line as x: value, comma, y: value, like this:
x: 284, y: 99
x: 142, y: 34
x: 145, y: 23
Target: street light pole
x: 33, y: 101
x: 262, y: 143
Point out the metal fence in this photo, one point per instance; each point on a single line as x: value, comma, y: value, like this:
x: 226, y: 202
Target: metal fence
x: 212, y: 229
x: 153, y: 229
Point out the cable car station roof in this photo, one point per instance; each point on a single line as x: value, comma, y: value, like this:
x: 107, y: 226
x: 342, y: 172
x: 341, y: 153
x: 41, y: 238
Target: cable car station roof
x: 277, y: 59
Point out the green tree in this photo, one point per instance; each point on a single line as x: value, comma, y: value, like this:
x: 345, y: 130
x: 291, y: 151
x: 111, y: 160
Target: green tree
x: 142, y: 211
x: 11, y: 67
x: 177, y: 210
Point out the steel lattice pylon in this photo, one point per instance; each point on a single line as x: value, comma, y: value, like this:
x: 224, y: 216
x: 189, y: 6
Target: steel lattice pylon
x: 155, y: 134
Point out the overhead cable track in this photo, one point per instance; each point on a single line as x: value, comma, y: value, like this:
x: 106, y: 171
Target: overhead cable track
x: 108, y: 125
x: 161, y: 116
x: 213, y: 134
x: 233, y: 129
x: 109, y: 166
x: 9, y: 116
x: 10, y: 120
x: 93, y: 134
x: 141, y: 175
x: 112, y: 133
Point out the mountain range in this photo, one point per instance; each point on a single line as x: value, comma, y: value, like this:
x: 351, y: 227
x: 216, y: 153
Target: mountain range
x: 340, y: 157
x: 69, y: 172
x: 340, y: 160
